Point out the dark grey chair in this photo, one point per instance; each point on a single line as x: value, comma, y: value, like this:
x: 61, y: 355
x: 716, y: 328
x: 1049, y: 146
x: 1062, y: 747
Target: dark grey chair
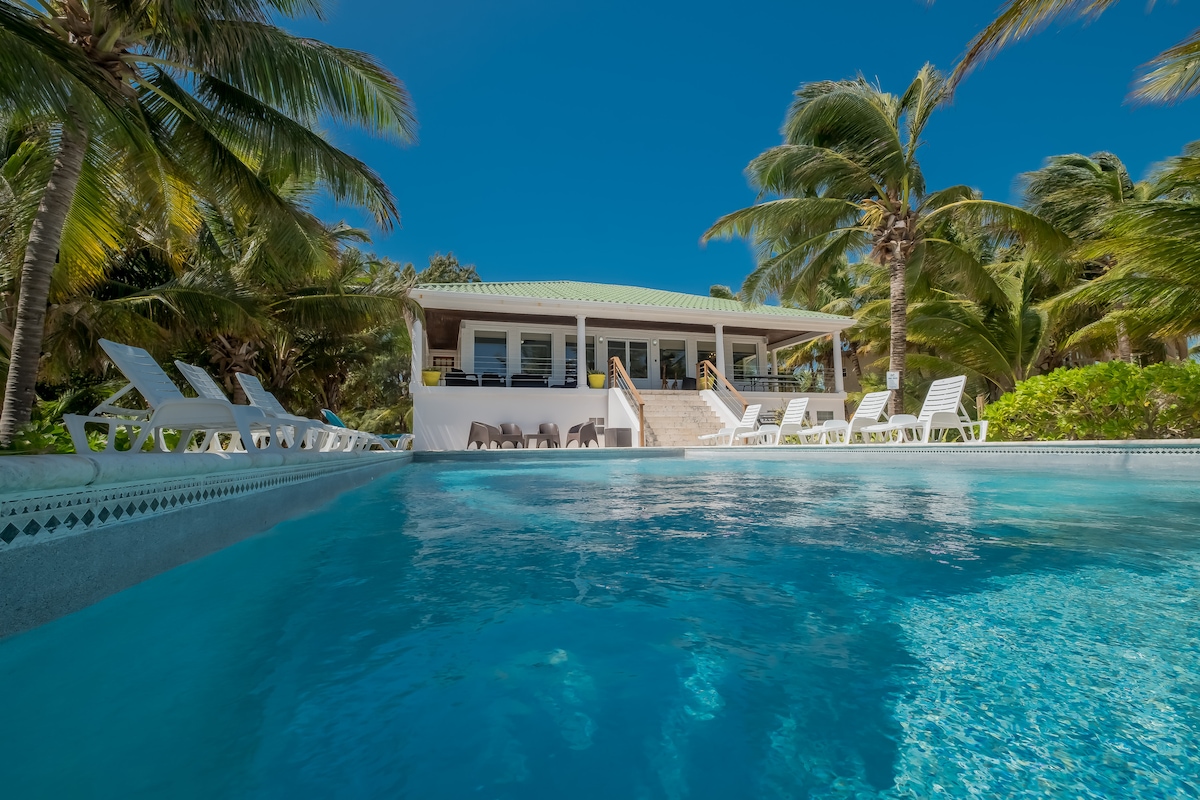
x: 583, y: 434
x: 456, y: 377
x: 510, y: 433
x: 688, y: 385
x: 530, y: 381
x: 483, y: 435
x: 492, y: 379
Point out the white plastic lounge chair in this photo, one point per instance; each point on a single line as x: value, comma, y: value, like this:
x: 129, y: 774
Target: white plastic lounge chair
x: 311, y: 433
x: 795, y: 421
x: 941, y: 413
x: 313, y: 436
x: 386, y: 441
x: 168, y: 409
x: 841, y: 431
x: 748, y: 422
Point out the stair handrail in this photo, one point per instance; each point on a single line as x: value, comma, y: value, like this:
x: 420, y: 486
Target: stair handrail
x: 706, y: 371
x: 619, y: 379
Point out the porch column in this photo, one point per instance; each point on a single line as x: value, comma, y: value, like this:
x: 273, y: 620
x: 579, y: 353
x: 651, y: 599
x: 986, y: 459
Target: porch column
x: 418, y: 339
x: 838, y: 383
x: 775, y: 362
x: 581, y: 367
x: 721, y: 349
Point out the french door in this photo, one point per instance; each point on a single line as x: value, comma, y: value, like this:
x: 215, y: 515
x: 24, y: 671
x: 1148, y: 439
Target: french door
x: 635, y: 357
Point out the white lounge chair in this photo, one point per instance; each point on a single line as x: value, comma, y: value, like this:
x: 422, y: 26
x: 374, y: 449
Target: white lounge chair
x: 311, y: 434
x: 167, y: 409
x: 841, y: 431
x: 795, y: 421
x: 748, y: 422
x: 386, y: 441
x: 941, y: 413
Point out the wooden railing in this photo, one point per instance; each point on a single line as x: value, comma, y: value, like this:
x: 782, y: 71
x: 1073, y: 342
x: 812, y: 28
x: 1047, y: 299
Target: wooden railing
x: 618, y: 378
x: 709, y: 377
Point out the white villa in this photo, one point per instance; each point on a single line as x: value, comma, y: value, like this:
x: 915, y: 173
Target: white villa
x: 673, y: 365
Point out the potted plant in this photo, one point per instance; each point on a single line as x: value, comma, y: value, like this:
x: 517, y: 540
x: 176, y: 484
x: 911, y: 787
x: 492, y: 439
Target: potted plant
x: 430, y: 377
x: 596, y: 380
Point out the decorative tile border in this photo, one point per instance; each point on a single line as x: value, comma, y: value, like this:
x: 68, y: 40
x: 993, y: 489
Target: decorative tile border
x: 33, y: 518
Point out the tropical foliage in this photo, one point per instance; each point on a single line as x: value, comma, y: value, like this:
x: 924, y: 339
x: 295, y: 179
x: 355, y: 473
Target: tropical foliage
x: 1113, y: 400
x: 1172, y: 75
x: 173, y: 110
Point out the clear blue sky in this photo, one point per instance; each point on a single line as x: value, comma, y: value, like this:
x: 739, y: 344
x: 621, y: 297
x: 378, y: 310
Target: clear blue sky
x: 563, y: 140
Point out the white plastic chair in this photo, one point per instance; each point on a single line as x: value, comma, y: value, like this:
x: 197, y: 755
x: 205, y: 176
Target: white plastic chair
x: 312, y: 435
x: 795, y: 421
x: 168, y: 409
x: 748, y: 422
x: 384, y: 441
x: 841, y: 431
x: 941, y: 413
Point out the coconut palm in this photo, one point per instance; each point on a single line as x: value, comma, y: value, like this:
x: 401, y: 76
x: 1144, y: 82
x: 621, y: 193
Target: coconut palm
x: 178, y: 104
x: 1079, y: 195
x: 847, y: 182
x: 999, y: 338
x: 1173, y: 74
x: 1154, y: 245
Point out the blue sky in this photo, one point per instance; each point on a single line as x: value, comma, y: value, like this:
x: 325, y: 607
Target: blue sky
x: 597, y: 142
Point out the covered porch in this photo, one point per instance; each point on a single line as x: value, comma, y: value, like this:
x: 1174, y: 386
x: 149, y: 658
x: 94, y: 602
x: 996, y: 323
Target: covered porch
x: 509, y: 352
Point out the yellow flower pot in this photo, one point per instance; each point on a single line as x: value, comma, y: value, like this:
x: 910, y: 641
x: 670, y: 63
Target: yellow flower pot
x: 596, y: 381
x: 705, y: 383
x: 430, y: 377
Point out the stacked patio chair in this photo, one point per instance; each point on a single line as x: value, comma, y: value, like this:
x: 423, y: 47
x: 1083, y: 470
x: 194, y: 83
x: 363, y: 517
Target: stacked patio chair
x: 385, y: 441
x: 168, y: 410
x: 793, y: 422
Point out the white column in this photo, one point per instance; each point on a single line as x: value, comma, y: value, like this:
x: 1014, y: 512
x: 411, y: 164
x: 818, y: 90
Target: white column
x: 581, y: 367
x: 721, y: 349
x: 775, y: 362
x: 418, y: 340
x: 838, y: 382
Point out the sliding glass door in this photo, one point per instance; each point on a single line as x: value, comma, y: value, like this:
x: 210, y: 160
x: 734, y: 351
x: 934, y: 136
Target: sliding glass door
x: 635, y: 357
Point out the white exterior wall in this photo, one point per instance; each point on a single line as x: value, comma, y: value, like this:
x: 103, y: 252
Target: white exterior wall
x: 442, y: 415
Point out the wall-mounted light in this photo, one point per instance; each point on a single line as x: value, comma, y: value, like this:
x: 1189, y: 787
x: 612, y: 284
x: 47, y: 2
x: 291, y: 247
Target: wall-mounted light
x: 654, y: 342
x: 601, y: 339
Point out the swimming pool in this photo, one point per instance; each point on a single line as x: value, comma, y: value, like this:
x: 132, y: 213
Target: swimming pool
x: 645, y: 628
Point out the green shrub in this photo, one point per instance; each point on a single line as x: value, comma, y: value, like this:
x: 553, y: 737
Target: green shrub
x: 1113, y: 400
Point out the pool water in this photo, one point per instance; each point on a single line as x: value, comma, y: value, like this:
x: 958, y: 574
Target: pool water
x: 653, y: 628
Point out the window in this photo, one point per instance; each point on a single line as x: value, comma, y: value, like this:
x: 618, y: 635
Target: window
x: 573, y: 355
x: 745, y: 360
x: 491, y: 353
x: 707, y: 351
x: 672, y: 359
x: 535, y: 353
x: 635, y: 357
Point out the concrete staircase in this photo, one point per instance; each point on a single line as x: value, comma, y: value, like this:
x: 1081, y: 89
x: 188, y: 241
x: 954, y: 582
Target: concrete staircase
x: 677, y: 419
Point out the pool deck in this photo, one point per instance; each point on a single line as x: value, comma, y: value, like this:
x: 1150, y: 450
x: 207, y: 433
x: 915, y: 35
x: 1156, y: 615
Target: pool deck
x: 77, y: 528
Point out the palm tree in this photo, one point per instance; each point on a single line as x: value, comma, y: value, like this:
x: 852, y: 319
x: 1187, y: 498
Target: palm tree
x: 847, y: 181
x: 1079, y: 195
x: 1154, y: 244
x: 999, y: 338
x: 1172, y: 75
x: 181, y: 104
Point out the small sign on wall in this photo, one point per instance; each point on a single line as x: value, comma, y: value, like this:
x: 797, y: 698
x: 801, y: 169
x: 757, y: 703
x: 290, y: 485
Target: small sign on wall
x: 893, y: 380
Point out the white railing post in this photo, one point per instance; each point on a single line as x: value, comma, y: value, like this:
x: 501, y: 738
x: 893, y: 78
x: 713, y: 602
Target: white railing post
x: 581, y: 368
x: 418, y: 337
x: 720, y: 349
x: 839, y: 385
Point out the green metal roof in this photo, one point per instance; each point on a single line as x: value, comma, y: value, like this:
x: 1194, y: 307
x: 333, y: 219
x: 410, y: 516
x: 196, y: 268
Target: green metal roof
x: 625, y: 295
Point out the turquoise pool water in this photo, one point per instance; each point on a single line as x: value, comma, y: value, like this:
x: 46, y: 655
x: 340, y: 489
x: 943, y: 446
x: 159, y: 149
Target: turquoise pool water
x: 657, y: 628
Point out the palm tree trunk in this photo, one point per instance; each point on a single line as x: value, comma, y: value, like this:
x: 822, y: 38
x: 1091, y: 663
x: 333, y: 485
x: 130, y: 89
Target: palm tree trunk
x: 897, y: 270
x: 41, y: 253
x: 1124, y: 346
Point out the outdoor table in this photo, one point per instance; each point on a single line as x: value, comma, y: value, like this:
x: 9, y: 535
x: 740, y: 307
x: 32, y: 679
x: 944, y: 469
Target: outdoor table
x: 551, y: 439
